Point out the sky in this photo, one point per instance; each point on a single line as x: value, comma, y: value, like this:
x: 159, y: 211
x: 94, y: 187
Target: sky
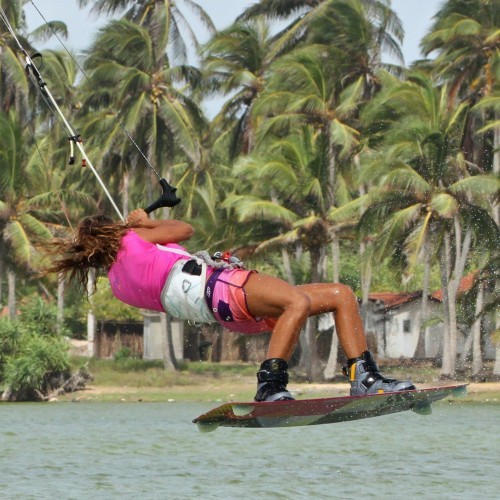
x: 416, y: 17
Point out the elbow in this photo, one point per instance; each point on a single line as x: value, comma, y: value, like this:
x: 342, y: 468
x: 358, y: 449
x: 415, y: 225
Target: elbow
x: 188, y: 231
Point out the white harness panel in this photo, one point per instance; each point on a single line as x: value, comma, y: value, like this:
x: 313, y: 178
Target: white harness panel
x: 183, y: 295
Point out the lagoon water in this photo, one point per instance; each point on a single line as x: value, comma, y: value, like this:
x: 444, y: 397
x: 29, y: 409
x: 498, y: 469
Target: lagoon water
x: 153, y: 451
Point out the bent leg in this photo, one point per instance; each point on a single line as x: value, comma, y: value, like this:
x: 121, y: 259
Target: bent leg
x: 361, y: 368
x: 341, y: 301
x: 270, y: 297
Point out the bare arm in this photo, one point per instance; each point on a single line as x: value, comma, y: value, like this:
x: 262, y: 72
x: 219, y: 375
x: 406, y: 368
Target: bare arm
x: 159, y: 231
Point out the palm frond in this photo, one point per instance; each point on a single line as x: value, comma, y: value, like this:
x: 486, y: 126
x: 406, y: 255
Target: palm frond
x: 249, y: 208
x: 444, y: 205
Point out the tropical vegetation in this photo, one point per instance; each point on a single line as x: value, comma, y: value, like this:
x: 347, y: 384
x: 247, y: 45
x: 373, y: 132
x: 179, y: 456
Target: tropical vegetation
x: 325, y: 156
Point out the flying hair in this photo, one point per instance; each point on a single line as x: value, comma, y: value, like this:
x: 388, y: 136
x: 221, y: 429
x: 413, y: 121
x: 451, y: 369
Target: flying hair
x: 94, y: 246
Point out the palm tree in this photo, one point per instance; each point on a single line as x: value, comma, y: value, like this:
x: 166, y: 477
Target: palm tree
x: 287, y: 208
x: 128, y: 72
x: 303, y: 91
x: 235, y: 62
x: 425, y: 190
x: 465, y: 37
x: 333, y: 22
x: 20, y: 228
x: 164, y: 18
x: 352, y: 36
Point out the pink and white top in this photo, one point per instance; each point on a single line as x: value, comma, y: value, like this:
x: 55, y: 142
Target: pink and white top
x: 140, y: 271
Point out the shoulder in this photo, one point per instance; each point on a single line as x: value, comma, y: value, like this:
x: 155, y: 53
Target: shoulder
x: 135, y: 236
x: 139, y: 233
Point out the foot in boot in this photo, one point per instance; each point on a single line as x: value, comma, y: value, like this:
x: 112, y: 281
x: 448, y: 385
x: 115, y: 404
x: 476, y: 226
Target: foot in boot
x: 272, y: 379
x: 366, y: 378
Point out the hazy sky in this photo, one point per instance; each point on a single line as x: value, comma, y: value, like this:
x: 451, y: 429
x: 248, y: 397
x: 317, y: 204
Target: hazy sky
x: 415, y: 15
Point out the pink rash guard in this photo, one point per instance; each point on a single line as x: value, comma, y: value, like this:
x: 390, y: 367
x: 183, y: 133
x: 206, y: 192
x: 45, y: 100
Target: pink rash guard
x: 139, y: 273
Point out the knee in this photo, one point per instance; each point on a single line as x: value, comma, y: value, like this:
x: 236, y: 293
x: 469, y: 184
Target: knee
x: 300, y: 302
x: 344, y: 293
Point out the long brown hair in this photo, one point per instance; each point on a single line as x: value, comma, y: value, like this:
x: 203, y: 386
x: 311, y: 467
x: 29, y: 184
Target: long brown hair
x: 94, y: 245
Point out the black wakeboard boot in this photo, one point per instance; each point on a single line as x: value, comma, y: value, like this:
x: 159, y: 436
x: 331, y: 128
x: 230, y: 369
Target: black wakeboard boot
x: 365, y: 377
x: 272, y: 379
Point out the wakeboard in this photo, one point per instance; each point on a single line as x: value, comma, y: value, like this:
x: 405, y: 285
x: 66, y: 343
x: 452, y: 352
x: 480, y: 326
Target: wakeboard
x: 323, y: 410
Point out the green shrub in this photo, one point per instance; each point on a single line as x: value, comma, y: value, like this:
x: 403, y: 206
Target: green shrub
x: 34, y: 357
x: 10, y: 341
x: 37, y: 367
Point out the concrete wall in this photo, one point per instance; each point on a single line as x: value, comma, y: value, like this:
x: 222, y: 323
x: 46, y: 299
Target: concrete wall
x: 154, y: 337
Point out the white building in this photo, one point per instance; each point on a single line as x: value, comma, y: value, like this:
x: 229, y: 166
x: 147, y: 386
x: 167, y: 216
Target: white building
x: 394, y: 319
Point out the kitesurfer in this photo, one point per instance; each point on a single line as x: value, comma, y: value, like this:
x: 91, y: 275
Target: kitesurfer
x: 147, y: 268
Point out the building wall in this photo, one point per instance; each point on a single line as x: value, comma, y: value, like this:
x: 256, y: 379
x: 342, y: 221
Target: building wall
x: 402, y: 331
x: 153, y: 337
x: 112, y: 336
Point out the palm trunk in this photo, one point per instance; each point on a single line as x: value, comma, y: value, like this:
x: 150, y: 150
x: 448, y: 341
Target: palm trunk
x: 366, y: 278
x: 91, y: 321
x: 331, y: 364
x: 450, y: 291
x: 287, y: 266
x: 11, y: 301
x: 335, y: 247
x: 169, y: 361
x: 444, y: 264
x: 61, y: 284
x: 125, y: 193
x: 2, y: 267
x: 496, y: 216
x: 420, y: 349
x: 496, y: 365
x: 366, y: 268
x: 477, y: 357
x: 309, y: 358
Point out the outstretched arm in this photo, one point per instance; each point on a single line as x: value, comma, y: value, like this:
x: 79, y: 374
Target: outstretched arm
x: 159, y: 231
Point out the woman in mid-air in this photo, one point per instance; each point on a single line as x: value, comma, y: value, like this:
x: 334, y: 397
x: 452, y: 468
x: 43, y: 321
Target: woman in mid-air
x: 147, y: 268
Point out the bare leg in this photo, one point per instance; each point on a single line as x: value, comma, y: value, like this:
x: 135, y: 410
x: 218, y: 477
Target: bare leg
x: 341, y: 301
x: 274, y: 298
x: 271, y: 297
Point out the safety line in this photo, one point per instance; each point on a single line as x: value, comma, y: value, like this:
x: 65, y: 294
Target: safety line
x: 30, y: 65
x: 113, y: 114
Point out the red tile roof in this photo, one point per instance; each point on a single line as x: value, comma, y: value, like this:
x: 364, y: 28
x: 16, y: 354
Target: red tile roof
x: 394, y: 299
x: 466, y: 283
x: 390, y: 299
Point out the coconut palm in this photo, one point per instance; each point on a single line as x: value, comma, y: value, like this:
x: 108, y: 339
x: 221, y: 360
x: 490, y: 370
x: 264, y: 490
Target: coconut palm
x: 235, y: 62
x: 426, y: 190
x: 129, y: 73
x: 287, y: 207
x: 14, y: 82
x: 164, y: 19
x: 465, y: 37
x: 20, y: 228
x: 352, y: 37
x: 308, y: 19
x: 303, y: 92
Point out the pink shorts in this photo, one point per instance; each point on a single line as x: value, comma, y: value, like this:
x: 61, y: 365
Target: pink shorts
x: 226, y: 298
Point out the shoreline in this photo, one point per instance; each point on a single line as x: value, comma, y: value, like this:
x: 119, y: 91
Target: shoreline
x: 225, y: 391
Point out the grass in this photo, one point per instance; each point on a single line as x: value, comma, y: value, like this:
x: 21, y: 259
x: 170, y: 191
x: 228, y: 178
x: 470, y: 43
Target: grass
x: 129, y: 379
